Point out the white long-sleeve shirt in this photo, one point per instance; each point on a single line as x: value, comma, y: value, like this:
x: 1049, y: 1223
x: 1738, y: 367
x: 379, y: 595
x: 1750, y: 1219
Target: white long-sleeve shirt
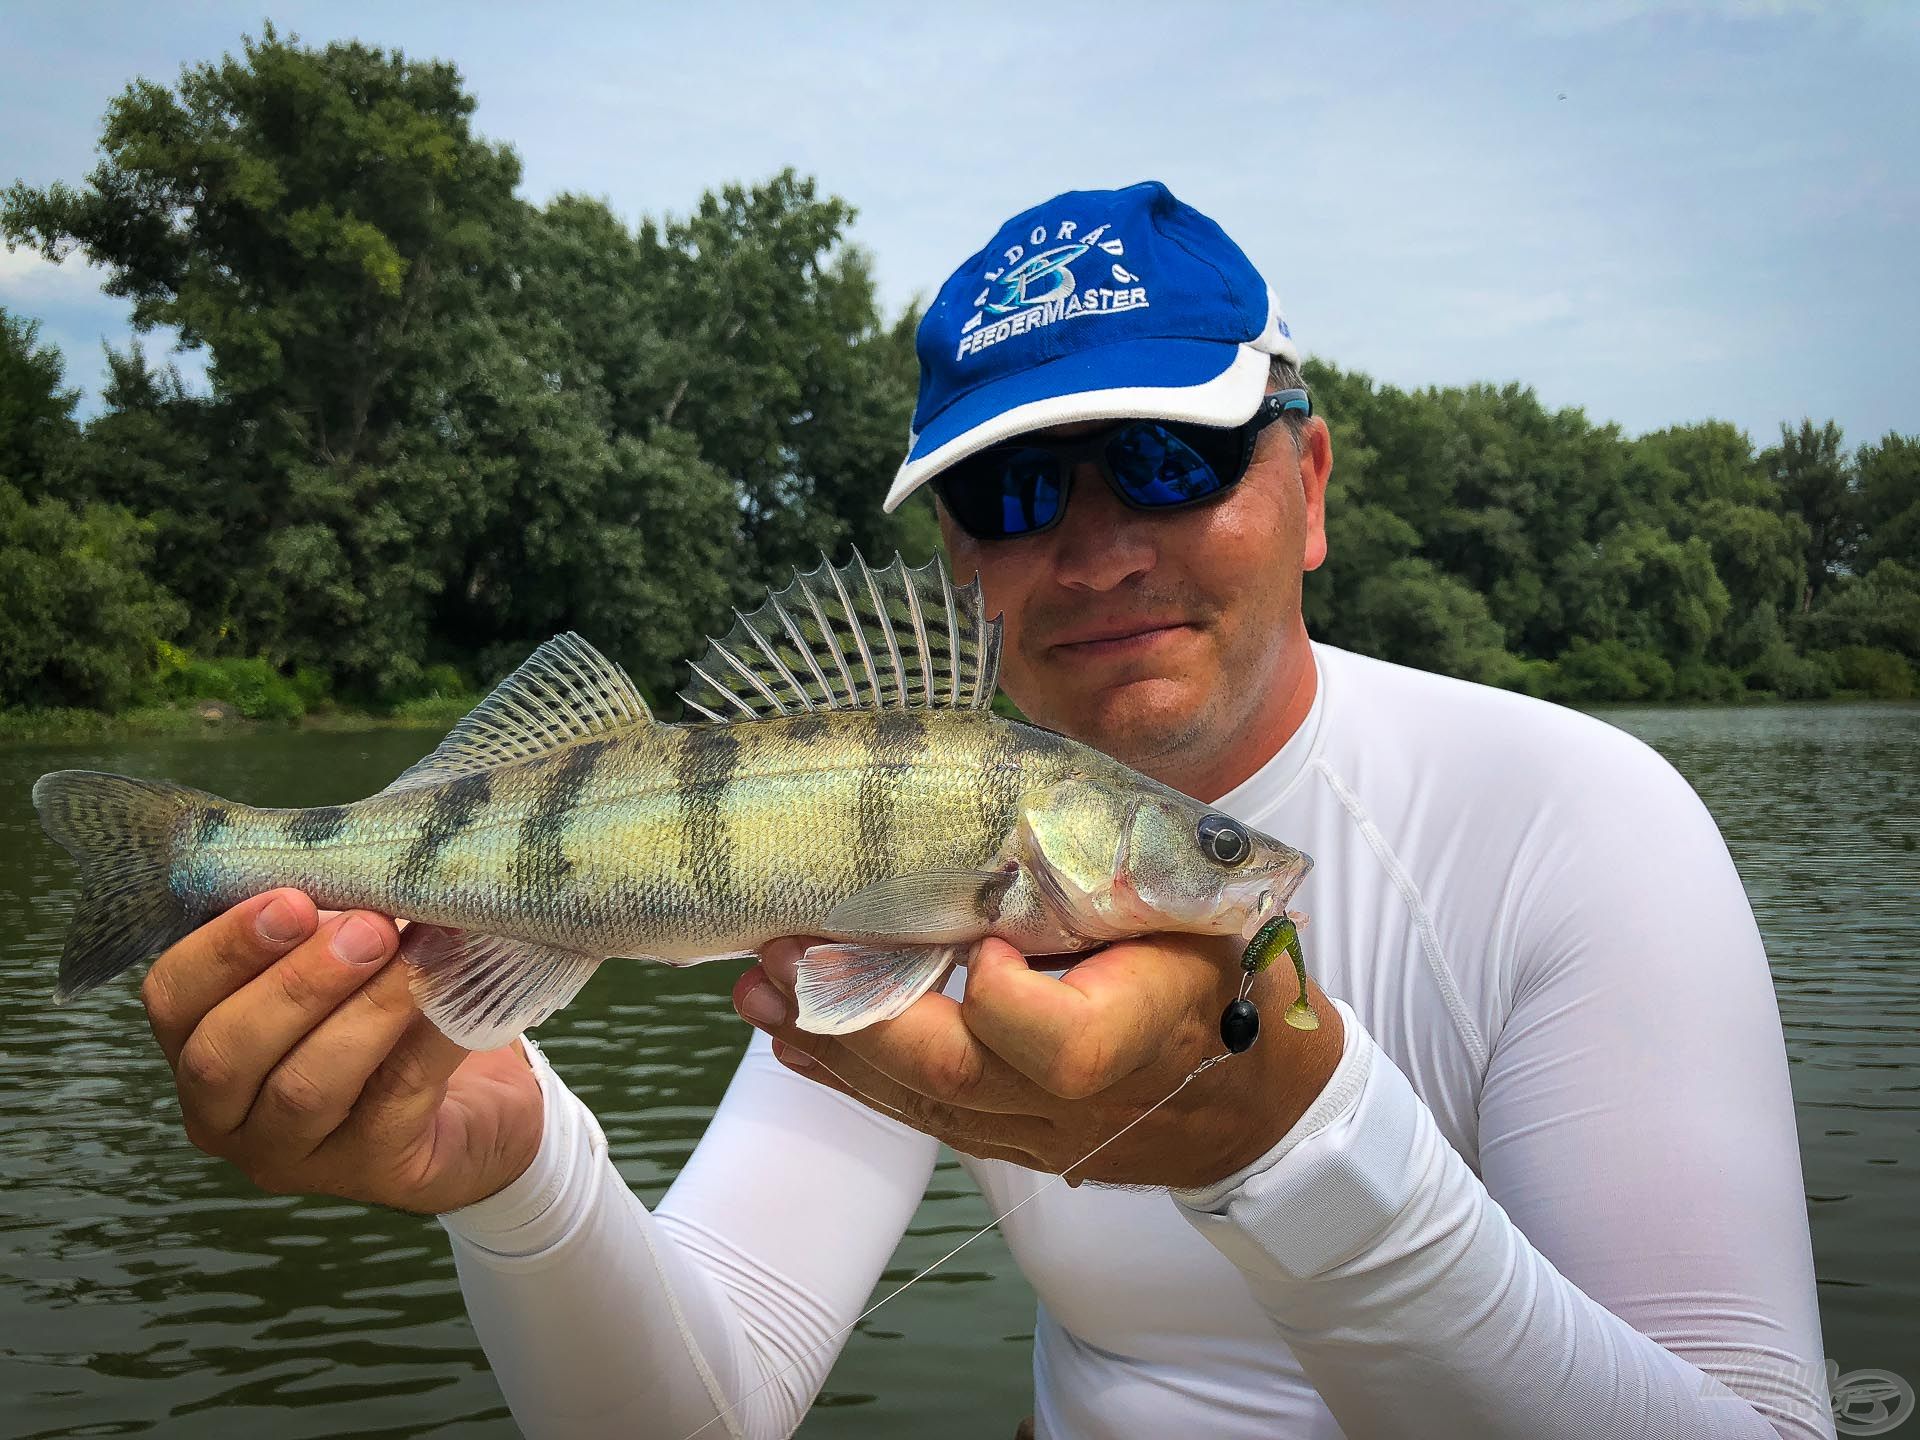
x: 1552, y: 1189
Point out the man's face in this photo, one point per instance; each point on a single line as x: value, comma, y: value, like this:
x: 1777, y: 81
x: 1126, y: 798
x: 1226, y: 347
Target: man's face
x: 1167, y: 640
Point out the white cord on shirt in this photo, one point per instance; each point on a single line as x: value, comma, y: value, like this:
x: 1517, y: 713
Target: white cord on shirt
x: 1192, y: 1075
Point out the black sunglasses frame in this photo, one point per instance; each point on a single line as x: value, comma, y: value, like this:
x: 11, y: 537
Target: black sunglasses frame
x: 1070, y: 454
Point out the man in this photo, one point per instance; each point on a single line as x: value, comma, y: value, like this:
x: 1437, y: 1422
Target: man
x: 1535, y: 1175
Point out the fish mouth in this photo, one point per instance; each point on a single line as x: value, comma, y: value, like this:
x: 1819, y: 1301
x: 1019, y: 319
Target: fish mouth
x: 1273, y: 892
x: 1257, y: 916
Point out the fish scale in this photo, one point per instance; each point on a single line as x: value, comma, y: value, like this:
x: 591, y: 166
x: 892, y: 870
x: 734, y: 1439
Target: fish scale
x: 849, y: 782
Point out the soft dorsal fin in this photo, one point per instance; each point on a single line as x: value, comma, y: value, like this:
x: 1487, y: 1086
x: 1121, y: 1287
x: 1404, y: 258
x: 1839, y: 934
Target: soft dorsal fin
x: 853, y: 638
x: 565, y: 691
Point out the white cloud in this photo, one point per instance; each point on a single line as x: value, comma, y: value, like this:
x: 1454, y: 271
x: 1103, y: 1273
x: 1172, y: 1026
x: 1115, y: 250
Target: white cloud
x: 28, y: 276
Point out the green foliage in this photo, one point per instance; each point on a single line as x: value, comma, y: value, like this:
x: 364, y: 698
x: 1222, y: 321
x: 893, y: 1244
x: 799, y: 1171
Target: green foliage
x: 1887, y: 502
x: 1612, y: 670
x: 1878, y: 673
x: 1784, y: 672
x: 253, y: 687
x: 1810, y: 468
x: 1880, y: 610
x: 1704, y: 681
x: 80, y: 620
x: 1414, y: 614
x: 434, y: 712
x: 36, y: 413
x: 445, y: 424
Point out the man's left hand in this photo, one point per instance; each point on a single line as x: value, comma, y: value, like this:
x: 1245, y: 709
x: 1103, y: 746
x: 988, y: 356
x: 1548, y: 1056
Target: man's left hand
x: 1039, y: 1069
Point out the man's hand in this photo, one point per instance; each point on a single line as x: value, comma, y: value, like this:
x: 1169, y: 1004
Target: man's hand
x: 1039, y: 1069
x: 300, y: 1057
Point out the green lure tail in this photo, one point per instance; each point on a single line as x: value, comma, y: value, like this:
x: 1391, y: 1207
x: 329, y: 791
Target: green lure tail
x: 1278, y: 934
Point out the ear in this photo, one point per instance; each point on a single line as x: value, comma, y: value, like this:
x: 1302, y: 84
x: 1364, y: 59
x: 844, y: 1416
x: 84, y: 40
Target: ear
x: 1316, y: 466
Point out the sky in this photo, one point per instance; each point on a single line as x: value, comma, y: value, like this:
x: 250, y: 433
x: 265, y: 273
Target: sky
x: 1659, y: 212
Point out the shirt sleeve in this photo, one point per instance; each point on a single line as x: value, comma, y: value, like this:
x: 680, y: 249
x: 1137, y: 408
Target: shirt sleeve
x: 722, y: 1309
x: 1636, y: 1262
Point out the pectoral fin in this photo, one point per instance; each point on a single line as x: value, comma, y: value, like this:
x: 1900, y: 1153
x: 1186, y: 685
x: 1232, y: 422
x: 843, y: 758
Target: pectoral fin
x: 482, y: 990
x: 843, y: 988
x: 932, y: 906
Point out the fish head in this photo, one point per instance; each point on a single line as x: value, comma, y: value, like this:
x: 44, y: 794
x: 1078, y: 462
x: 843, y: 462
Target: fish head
x: 1122, y: 860
x: 1196, y: 869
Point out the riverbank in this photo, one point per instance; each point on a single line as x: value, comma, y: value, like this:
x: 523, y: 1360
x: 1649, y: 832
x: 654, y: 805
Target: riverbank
x: 212, y: 720
x: 215, y: 720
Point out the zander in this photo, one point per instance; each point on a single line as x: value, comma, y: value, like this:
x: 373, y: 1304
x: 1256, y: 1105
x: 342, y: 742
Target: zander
x: 848, y: 781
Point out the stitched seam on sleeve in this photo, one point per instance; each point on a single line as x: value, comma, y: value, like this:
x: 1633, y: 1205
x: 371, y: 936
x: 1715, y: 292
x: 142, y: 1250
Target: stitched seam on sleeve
x: 1417, y: 908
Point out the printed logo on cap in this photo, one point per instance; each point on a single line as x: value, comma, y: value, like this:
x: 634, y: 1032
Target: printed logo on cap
x: 1058, y: 275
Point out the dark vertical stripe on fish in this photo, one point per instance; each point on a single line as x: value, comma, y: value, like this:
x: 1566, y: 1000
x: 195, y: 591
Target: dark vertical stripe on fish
x: 806, y: 729
x: 317, y: 826
x: 894, y: 742
x: 540, y: 863
x: 708, y: 760
x: 999, y: 792
x: 213, y: 820
x: 456, y: 806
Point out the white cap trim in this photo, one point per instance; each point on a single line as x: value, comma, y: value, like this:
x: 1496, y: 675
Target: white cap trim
x: 1230, y: 398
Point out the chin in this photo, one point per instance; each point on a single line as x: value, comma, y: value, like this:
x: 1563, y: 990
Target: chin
x: 1141, y: 721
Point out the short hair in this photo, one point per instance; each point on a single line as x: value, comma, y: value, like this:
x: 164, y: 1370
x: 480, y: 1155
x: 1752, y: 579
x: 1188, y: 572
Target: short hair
x: 1283, y: 374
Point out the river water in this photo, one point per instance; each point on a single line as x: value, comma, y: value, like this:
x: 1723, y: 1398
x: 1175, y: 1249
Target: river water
x: 145, y: 1288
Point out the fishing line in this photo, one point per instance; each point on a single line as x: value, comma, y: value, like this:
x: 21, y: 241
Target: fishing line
x: 797, y: 1361
x: 1239, y: 1027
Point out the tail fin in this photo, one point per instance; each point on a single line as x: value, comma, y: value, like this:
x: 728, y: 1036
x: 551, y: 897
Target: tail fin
x: 123, y: 834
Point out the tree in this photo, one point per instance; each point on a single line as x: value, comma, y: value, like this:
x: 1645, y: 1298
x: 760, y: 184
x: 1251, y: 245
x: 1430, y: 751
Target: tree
x: 1880, y: 610
x: 79, y: 617
x: 36, y: 412
x: 1810, y: 469
x: 1887, y: 502
x: 323, y: 223
x: 775, y: 358
x: 1759, y: 555
x: 304, y: 215
x: 1652, y: 592
x: 1414, y: 615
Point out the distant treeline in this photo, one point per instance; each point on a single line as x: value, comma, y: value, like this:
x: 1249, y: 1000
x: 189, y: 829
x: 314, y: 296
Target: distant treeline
x: 445, y: 424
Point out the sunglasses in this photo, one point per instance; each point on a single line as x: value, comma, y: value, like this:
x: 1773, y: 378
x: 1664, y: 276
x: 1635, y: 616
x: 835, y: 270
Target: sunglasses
x: 1021, y: 488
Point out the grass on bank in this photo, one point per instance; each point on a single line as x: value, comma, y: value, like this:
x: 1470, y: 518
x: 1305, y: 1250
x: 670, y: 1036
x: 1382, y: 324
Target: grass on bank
x: 190, y: 695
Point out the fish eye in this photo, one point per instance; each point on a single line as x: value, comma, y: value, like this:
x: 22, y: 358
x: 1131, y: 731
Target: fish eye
x: 1224, y: 840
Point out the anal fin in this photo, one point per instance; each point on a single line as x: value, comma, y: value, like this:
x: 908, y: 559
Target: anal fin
x: 482, y: 990
x: 843, y: 988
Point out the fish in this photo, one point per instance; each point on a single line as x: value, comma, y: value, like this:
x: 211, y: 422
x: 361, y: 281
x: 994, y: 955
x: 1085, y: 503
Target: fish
x: 841, y: 774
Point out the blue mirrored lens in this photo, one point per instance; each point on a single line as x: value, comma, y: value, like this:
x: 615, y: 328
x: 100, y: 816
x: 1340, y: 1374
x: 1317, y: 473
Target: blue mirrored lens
x: 1028, y: 491
x: 1156, y: 467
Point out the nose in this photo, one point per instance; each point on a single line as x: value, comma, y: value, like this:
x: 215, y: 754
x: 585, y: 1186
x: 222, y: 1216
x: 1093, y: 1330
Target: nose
x: 1100, y: 544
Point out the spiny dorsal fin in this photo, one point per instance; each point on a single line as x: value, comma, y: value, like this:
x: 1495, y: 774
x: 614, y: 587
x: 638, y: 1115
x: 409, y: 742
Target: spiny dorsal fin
x: 853, y: 638
x: 565, y: 691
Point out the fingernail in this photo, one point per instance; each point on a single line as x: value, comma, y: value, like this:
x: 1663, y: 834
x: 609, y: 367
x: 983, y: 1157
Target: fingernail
x: 281, y: 921
x: 358, y: 942
x: 764, y: 1005
x: 792, y: 1058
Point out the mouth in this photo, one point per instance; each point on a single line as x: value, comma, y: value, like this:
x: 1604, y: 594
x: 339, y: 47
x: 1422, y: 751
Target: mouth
x: 1263, y: 907
x: 1098, y: 642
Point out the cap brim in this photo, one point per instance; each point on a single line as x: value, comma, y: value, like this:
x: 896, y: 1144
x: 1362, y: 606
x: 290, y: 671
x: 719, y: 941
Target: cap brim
x: 1207, y: 382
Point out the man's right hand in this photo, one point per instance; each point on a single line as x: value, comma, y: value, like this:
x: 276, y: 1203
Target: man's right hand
x: 301, y: 1058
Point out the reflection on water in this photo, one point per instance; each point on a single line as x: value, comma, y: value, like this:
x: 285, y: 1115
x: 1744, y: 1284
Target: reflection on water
x: 146, y: 1288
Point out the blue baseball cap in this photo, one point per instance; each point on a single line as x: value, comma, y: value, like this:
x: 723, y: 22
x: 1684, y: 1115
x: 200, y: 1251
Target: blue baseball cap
x: 1097, y: 305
